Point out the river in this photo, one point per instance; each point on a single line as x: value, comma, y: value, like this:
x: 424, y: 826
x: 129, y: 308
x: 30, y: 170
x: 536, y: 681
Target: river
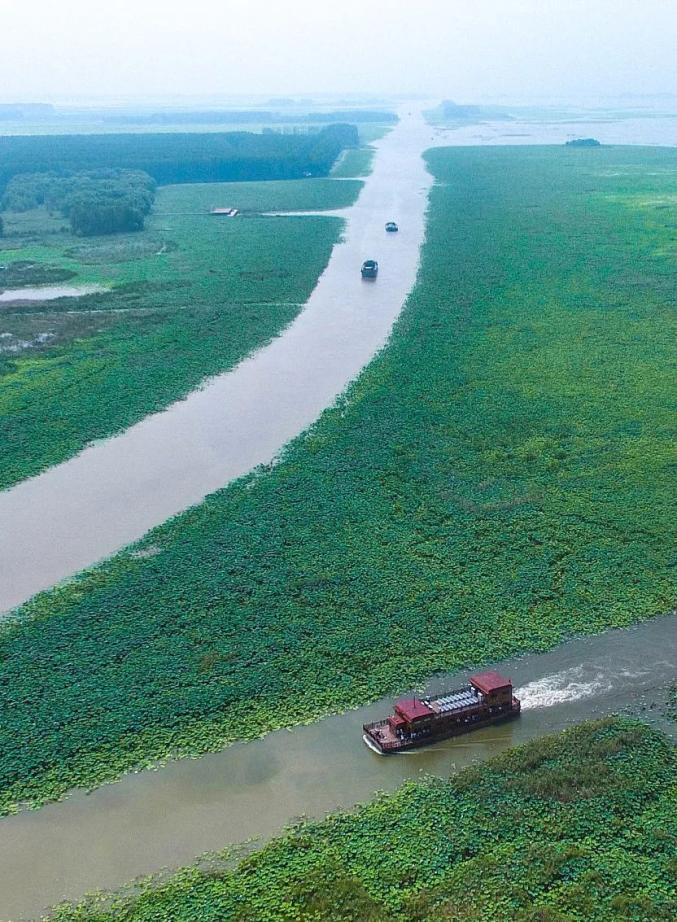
x: 164, y: 818
x: 113, y: 492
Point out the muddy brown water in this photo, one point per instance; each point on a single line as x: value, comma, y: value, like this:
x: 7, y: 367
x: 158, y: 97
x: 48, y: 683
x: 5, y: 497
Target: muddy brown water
x: 167, y: 817
x: 83, y: 510
x: 111, y: 494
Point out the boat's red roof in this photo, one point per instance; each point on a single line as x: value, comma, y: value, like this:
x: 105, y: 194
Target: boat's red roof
x: 489, y: 682
x: 412, y: 709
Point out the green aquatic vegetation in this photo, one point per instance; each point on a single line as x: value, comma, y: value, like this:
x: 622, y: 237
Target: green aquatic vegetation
x: 488, y: 845
x: 354, y: 162
x: 290, y: 195
x: 497, y: 480
x: 22, y: 273
x: 370, y: 133
x: 189, y: 298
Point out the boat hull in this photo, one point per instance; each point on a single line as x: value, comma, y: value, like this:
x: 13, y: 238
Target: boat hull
x: 449, y: 732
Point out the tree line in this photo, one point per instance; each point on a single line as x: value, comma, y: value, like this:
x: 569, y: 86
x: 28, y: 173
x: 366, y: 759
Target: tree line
x: 252, y: 116
x: 178, y: 158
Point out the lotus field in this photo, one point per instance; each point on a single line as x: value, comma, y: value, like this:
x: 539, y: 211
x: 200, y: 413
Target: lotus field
x: 572, y: 828
x: 497, y: 480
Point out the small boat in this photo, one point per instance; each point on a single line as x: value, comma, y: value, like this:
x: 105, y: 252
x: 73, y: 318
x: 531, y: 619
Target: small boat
x: 369, y: 269
x: 486, y: 699
x: 391, y: 227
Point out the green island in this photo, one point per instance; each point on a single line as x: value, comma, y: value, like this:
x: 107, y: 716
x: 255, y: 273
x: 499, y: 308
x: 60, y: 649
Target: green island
x: 449, y: 113
x: 454, y: 509
x: 577, y: 827
x: 189, y: 296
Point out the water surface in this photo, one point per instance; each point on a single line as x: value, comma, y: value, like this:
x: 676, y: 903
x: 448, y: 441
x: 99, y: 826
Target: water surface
x: 166, y: 818
x: 648, y: 131
x: 48, y: 292
x: 113, y: 492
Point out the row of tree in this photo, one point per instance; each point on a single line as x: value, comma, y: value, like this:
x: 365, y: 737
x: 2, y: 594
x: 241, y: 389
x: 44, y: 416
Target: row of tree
x: 251, y: 116
x: 172, y: 158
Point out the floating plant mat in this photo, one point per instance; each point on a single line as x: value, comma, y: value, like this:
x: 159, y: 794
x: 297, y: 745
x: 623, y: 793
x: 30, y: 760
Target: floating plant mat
x: 497, y: 480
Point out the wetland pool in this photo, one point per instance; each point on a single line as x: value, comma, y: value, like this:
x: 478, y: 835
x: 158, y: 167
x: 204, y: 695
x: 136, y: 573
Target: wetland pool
x: 47, y: 293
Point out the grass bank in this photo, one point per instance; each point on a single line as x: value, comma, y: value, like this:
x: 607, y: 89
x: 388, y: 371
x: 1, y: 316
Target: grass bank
x: 190, y: 296
x: 354, y: 162
x: 571, y: 828
x: 496, y: 481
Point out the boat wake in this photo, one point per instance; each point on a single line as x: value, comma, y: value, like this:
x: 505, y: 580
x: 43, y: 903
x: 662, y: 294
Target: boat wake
x: 372, y: 745
x: 568, y: 685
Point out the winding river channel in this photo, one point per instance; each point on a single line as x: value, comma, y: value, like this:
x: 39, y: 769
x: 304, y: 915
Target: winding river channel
x: 164, y: 818
x: 114, y: 491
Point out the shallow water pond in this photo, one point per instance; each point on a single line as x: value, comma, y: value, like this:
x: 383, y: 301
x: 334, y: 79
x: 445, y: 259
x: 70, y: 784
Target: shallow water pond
x: 48, y: 292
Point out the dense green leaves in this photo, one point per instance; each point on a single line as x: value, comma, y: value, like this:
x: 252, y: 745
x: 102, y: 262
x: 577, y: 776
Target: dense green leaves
x: 496, y: 481
x: 354, y: 162
x: 177, y: 158
x: 497, y: 843
x: 99, y: 202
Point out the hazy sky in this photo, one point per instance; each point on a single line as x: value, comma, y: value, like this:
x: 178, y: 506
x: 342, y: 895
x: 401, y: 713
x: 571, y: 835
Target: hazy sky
x: 452, y: 48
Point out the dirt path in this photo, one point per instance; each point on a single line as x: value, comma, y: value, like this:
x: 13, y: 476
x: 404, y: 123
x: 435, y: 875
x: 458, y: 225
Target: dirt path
x: 85, y: 509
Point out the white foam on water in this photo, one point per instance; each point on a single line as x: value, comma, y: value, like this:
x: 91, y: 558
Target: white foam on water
x: 634, y: 674
x: 568, y: 685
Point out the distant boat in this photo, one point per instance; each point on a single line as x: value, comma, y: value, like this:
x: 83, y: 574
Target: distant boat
x: 486, y: 699
x: 225, y: 212
x: 369, y: 269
